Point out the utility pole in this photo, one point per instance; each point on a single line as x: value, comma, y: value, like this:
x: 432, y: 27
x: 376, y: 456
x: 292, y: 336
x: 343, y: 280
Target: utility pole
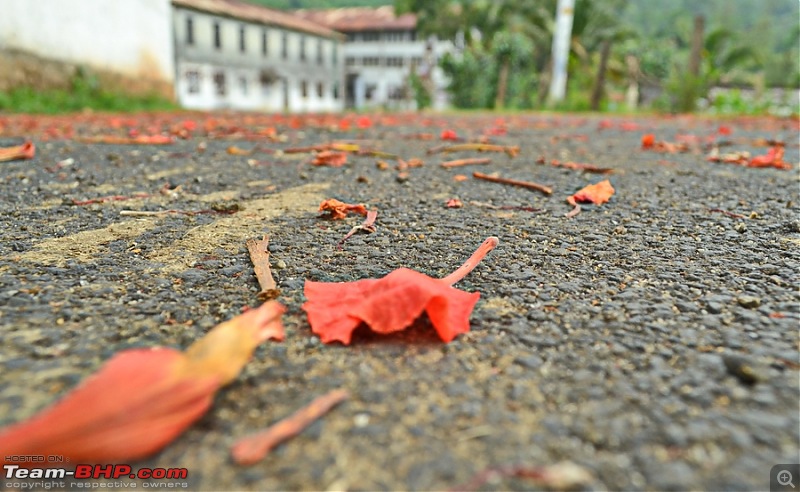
x: 561, y: 42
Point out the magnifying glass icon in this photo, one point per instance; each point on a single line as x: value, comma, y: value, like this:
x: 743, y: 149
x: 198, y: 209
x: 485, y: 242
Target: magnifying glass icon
x: 785, y: 478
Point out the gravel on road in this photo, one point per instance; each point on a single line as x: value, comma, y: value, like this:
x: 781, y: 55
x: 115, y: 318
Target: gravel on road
x: 651, y: 341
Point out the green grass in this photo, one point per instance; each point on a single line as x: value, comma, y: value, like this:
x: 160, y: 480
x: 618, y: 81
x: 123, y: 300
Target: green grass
x: 28, y: 100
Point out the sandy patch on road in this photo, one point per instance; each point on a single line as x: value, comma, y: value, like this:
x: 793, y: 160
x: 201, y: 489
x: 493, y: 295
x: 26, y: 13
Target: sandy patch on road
x: 229, y: 232
x: 83, y: 246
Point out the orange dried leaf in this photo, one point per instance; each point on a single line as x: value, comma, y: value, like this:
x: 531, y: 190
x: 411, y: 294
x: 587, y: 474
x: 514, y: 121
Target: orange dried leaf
x: 330, y: 158
x: 339, y: 210
x: 24, y: 151
x: 648, y: 140
x: 234, y: 150
x: 598, y: 194
x: 392, y: 303
x: 773, y: 158
x: 142, y: 399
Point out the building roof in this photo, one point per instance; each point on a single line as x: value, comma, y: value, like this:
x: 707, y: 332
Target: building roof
x: 255, y: 13
x: 361, y: 19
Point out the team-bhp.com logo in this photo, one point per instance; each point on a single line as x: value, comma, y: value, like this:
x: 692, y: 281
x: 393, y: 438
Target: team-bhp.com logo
x: 55, y: 478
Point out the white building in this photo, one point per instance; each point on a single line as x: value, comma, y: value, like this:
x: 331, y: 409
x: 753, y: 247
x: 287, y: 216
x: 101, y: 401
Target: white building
x: 381, y: 52
x: 126, y: 43
x: 231, y: 54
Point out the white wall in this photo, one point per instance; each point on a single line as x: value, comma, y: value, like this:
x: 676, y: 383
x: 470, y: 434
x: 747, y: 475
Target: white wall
x: 203, y: 57
x: 384, y: 78
x: 130, y: 37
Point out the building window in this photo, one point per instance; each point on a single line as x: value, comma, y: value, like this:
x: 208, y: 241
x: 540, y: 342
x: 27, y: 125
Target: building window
x: 302, y: 48
x: 264, y: 43
x: 350, y: 61
x: 320, y: 90
x: 336, y: 90
x: 217, y: 36
x: 395, y: 36
x: 304, y: 89
x: 189, y: 31
x: 334, y: 54
x: 243, y: 85
x: 370, y: 91
x: 284, y: 46
x: 397, y: 93
x: 219, y: 83
x: 394, y: 61
x: 370, y: 36
x: 266, y: 79
x: 319, y: 52
x: 371, y: 61
x: 193, y: 81
x: 413, y: 35
x: 351, y: 37
x: 242, y: 40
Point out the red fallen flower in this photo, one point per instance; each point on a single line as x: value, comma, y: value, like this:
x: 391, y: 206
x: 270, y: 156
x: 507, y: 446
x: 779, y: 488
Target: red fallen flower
x: 339, y: 210
x: 392, y: 303
x: 454, y: 203
x: 773, y: 158
x: 142, y: 399
x: 449, y: 135
x: 598, y: 193
x: 24, y: 151
x: 363, y: 122
x: 648, y: 141
x: 330, y: 158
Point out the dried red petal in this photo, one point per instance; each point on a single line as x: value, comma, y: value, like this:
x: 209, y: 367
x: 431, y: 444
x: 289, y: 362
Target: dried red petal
x: 386, y: 305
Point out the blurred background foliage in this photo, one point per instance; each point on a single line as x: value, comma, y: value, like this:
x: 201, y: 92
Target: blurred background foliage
x: 621, y: 51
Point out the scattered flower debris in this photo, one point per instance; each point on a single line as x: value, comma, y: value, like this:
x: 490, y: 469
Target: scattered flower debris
x: 597, y: 193
x: 725, y: 212
x: 578, y: 166
x: 649, y: 143
x: 514, y: 182
x: 137, y: 140
x: 466, y: 162
x: 511, y: 150
x: 392, y: 303
x: 142, y: 399
x: 561, y: 476
x: 367, y: 226
x: 252, y: 449
x: 17, y: 152
x: 259, y: 255
x: 449, y: 135
x: 338, y: 210
x: 330, y: 158
x: 773, y: 158
x: 454, y: 203
x: 110, y: 198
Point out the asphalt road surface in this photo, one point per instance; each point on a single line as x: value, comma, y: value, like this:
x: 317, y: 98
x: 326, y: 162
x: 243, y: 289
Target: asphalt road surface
x: 649, y: 343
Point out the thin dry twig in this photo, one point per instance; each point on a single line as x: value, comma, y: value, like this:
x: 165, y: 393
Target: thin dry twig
x: 725, y: 212
x: 161, y: 213
x: 492, y: 206
x: 259, y: 255
x: 560, y: 476
x: 253, y: 448
x: 487, y: 245
x: 367, y: 226
x: 511, y: 150
x: 466, y: 162
x: 575, y: 211
x: 525, y: 184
